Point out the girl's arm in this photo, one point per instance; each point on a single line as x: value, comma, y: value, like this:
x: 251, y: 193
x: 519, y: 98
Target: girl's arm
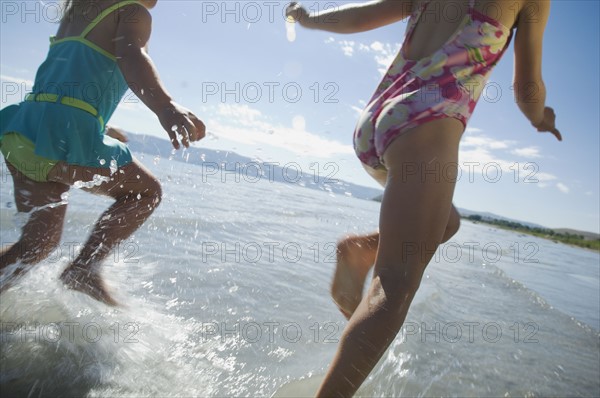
x: 142, y: 77
x: 530, y: 91
x: 353, y: 18
x: 116, y: 133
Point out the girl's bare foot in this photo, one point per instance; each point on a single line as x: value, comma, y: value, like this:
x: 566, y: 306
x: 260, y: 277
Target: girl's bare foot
x: 355, y: 257
x: 89, y: 282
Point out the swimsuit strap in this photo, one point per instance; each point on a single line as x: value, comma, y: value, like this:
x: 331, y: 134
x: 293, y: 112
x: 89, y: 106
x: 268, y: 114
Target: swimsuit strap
x: 103, y: 15
x: 471, y: 6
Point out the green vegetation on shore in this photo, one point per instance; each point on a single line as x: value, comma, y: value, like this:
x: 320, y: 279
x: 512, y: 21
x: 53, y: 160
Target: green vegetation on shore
x: 563, y: 237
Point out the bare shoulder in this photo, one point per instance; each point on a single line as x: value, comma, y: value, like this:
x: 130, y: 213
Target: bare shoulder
x: 400, y: 7
x: 134, y: 24
x: 532, y: 12
x: 135, y: 13
x: 392, y: 10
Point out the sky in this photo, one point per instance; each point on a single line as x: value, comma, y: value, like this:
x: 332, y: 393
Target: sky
x: 297, y: 102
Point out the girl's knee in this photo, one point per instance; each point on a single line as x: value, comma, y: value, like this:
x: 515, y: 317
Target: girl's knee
x: 150, y: 191
x: 400, y: 285
x: 155, y: 192
x: 347, y: 245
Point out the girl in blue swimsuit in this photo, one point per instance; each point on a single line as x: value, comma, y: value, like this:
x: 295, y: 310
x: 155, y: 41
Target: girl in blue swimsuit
x: 58, y: 136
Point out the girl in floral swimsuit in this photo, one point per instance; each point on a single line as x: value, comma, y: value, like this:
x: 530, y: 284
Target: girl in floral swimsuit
x: 412, y: 125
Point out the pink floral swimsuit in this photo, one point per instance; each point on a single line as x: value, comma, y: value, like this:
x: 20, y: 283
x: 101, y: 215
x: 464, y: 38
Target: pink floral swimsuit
x: 445, y: 84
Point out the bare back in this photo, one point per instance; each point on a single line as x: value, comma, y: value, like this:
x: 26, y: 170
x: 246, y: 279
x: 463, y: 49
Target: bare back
x: 442, y: 18
x: 82, y: 15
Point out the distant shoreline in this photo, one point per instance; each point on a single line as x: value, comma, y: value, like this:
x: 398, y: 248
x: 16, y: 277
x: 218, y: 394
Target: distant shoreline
x: 572, y: 239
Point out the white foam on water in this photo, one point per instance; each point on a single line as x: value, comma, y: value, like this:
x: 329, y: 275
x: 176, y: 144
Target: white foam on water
x: 56, y: 340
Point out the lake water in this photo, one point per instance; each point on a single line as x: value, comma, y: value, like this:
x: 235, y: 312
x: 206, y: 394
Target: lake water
x: 226, y: 293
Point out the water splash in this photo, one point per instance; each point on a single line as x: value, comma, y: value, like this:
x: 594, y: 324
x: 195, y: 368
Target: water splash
x: 96, y: 181
x: 290, y: 29
x: 113, y: 167
x: 22, y: 218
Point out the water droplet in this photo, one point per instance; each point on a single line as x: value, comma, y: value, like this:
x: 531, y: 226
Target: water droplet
x: 113, y: 166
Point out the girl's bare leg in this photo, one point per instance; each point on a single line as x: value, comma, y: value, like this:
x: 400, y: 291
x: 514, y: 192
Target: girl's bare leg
x: 355, y: 258
x: 414, y: 215
x: 41, y: 234
x: 136, y: 192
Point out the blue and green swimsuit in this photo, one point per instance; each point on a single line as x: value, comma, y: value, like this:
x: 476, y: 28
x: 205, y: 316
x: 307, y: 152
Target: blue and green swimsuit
x: 76, y: 90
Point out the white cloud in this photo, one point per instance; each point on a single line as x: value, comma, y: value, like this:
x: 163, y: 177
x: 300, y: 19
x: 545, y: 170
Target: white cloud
x: 347, y: 47
x: 18, y: 80
x: 562, y: 187
x: 239, y: 113
x: 542, y: 180
x: 473, y: 130
x: 482, y: 141
x: 243, y: 124
x: 542, y: 177
x: 383, y: 53
x: 528, y: 152
x: 348, y: 50
x: 377, y: 46
x: 479, y: 152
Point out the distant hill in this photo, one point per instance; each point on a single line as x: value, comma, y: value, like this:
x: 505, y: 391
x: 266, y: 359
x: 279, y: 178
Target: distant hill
x: 490, y: 217
x: 585, y: 234
x: 251, y: 169
x: 494, y: 218
x: 233, y: 162
x: 486, y: 216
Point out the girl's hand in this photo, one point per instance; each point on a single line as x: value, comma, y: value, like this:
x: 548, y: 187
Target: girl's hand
x: 296, y: 12
x: 547, y: 124
x: 181, y: 125
x: 116, y: 133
